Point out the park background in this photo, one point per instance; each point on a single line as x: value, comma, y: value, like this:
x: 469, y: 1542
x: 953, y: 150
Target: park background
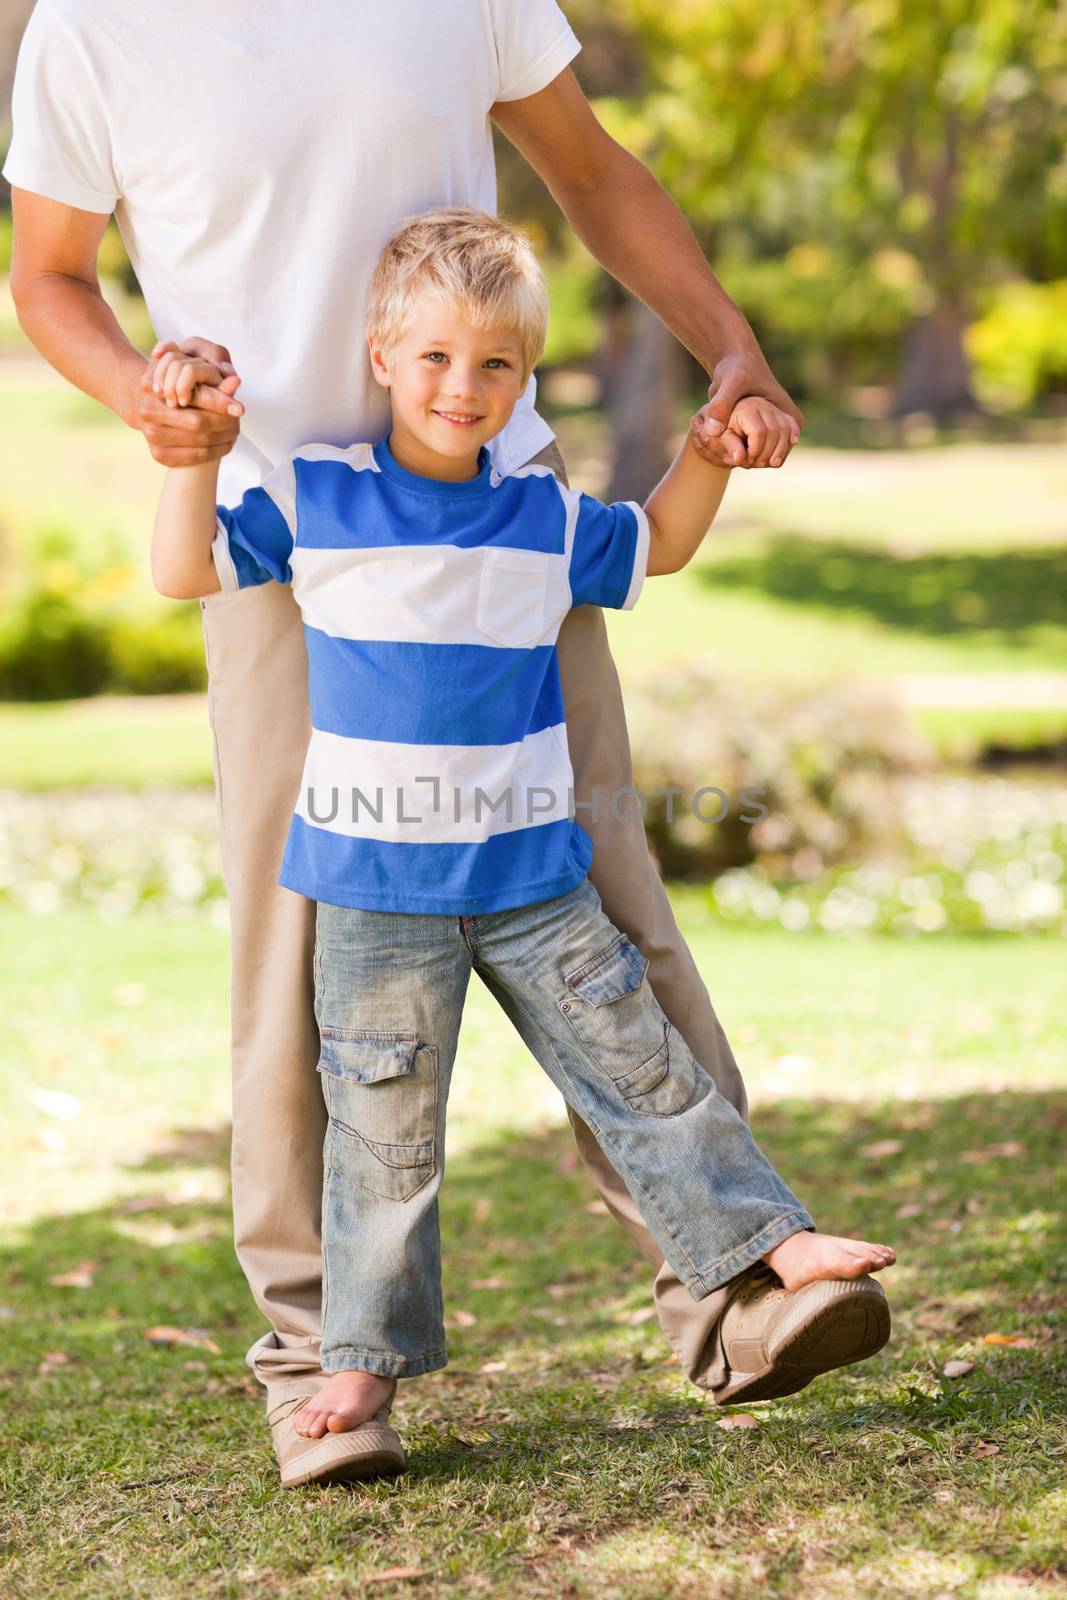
x: 876, y: 635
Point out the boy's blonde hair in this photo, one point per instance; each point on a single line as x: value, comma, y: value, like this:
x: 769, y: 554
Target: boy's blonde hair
x: 468, y: 259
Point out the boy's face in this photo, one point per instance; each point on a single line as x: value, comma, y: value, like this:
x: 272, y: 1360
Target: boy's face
x: 453, y: 385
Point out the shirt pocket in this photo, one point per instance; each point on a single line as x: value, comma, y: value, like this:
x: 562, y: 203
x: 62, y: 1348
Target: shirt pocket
x: 381, y: 1094
x: 511, y: 597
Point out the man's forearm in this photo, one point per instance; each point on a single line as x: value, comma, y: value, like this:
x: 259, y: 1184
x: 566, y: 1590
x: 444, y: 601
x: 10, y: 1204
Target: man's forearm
x: 75, y: 330
x: 635, y: 230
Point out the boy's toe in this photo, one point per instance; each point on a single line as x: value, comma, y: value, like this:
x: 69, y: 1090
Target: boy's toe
x: 341, y: 1421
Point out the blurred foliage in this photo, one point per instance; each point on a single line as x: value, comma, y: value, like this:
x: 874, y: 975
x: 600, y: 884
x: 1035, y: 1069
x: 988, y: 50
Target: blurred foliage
x: 822, y: 319
x: 816, y: 756
x: 929, y: 139
x: 1019, y: 347
x: 938, y: 129
x: 69, y: 631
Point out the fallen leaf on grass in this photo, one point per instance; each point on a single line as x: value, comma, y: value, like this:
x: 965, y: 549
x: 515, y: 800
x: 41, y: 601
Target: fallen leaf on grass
x: 957, y: 1369
x: 1011, y: 1148
x: 985, y: 1447
x: 391, y: 1574
x: 493, y: 1366
x: 460, y: 1319
x: 52, y: 1360
x: 491, y: 1283
x: 908, y: 1211
x: 162, y: 1334
x: 882, y: 1147
x: 482, y: 1207
x: 634, y: 1319
x: 738, y: 1419
x: 80, y: 1278
x: 1015, y: 1339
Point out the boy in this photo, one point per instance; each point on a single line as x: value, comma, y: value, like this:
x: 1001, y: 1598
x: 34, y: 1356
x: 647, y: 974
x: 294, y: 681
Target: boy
x: 436, y: 830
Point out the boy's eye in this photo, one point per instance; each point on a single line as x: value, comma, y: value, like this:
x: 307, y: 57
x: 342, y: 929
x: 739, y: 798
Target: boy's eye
x: 490, y: 360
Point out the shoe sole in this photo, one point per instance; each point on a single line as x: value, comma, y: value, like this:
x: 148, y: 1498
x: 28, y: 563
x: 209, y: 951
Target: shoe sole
x: 369, y: 1451
x: 374, y: 1464
x: 841, y: 1322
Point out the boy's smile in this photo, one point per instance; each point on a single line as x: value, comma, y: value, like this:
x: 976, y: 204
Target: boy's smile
x: 453, y: 384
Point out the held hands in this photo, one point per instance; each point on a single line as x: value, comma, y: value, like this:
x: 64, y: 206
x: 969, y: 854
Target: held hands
x: 757, y: 434
x: 186, y: 407
x: 743, y: 376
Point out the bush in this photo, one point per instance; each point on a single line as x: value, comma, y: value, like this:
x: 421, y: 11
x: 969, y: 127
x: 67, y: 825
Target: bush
x: 1019, y: 347
x: 67, y: 634
x: 818, y: 758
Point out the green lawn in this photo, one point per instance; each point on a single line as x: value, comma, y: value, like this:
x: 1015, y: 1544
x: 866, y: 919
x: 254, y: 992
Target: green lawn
x: 580, y: 1463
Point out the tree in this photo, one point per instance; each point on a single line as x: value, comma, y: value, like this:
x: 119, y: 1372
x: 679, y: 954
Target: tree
x: 866, y: 124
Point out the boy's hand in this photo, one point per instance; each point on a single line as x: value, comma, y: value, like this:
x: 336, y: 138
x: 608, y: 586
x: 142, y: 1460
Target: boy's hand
x: 186, y: 436
x: 738, y: 375
x: 758, y: 434
x: 180, y: 375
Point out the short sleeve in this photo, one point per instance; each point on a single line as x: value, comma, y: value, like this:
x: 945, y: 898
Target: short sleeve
x: 534, y: 42
x: 61, y: 143
x: 609, y: 553
x: 254, y: 541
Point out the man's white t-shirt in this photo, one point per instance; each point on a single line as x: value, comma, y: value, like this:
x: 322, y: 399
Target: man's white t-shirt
x: 258, y: 155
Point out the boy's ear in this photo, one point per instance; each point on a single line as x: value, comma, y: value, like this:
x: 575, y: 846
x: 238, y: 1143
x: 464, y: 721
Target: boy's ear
x: 377, y: 364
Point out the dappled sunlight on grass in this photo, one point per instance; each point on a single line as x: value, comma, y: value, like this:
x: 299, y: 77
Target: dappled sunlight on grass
x: 561, y: 1451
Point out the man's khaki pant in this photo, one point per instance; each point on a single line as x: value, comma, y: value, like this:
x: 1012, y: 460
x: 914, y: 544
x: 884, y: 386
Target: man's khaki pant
x: 258, y: 703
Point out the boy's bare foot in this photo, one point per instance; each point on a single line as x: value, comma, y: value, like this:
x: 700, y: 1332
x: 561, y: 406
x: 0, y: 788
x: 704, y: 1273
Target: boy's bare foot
x: 806, y: 1257
x: 343, y: 1402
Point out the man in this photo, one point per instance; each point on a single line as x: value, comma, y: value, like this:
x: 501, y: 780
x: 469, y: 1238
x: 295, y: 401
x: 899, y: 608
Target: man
x: 255, y: 162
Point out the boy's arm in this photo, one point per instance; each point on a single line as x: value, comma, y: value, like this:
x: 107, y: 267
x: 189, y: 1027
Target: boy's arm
x: 183, y: 567
x: 683, y: 505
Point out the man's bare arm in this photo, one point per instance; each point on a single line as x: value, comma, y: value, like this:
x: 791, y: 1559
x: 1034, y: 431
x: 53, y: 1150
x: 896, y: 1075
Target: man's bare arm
x: 60, y: 308
x: 626, y: 219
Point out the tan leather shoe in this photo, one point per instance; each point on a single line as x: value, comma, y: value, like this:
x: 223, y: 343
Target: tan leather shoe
x: 777, y: 1340
x: 372, y: 1450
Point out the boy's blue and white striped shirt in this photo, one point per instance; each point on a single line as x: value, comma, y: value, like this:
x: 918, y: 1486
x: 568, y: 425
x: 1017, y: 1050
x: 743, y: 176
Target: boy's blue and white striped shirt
x: 437, y: 778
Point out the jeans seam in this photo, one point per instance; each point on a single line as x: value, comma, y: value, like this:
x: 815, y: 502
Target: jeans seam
x: 350, y: 1356
x: 717, y: 1274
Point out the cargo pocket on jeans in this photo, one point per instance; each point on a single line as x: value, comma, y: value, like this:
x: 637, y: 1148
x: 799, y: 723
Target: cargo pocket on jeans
x: 618, y: 1020
x: 381, y: 1094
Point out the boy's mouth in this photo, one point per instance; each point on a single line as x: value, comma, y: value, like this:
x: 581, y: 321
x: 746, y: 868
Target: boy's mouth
x: 461, y: 419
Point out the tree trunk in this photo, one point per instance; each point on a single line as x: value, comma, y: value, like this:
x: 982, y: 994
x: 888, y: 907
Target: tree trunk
x: 648, y: 378
x: 936, y: 375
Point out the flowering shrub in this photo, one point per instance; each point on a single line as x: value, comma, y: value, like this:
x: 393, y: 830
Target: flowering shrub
x: 816, y: 757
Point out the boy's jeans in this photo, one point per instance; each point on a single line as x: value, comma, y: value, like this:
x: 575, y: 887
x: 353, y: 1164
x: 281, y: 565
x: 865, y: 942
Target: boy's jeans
x: 389, y: 990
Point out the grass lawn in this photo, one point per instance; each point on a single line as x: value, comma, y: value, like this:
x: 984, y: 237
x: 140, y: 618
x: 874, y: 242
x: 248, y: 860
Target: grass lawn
x: 560, y: 1453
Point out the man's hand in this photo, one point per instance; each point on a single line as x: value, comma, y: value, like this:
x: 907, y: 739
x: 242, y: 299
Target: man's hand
x: 186, y: 416
x: 741, y: 378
